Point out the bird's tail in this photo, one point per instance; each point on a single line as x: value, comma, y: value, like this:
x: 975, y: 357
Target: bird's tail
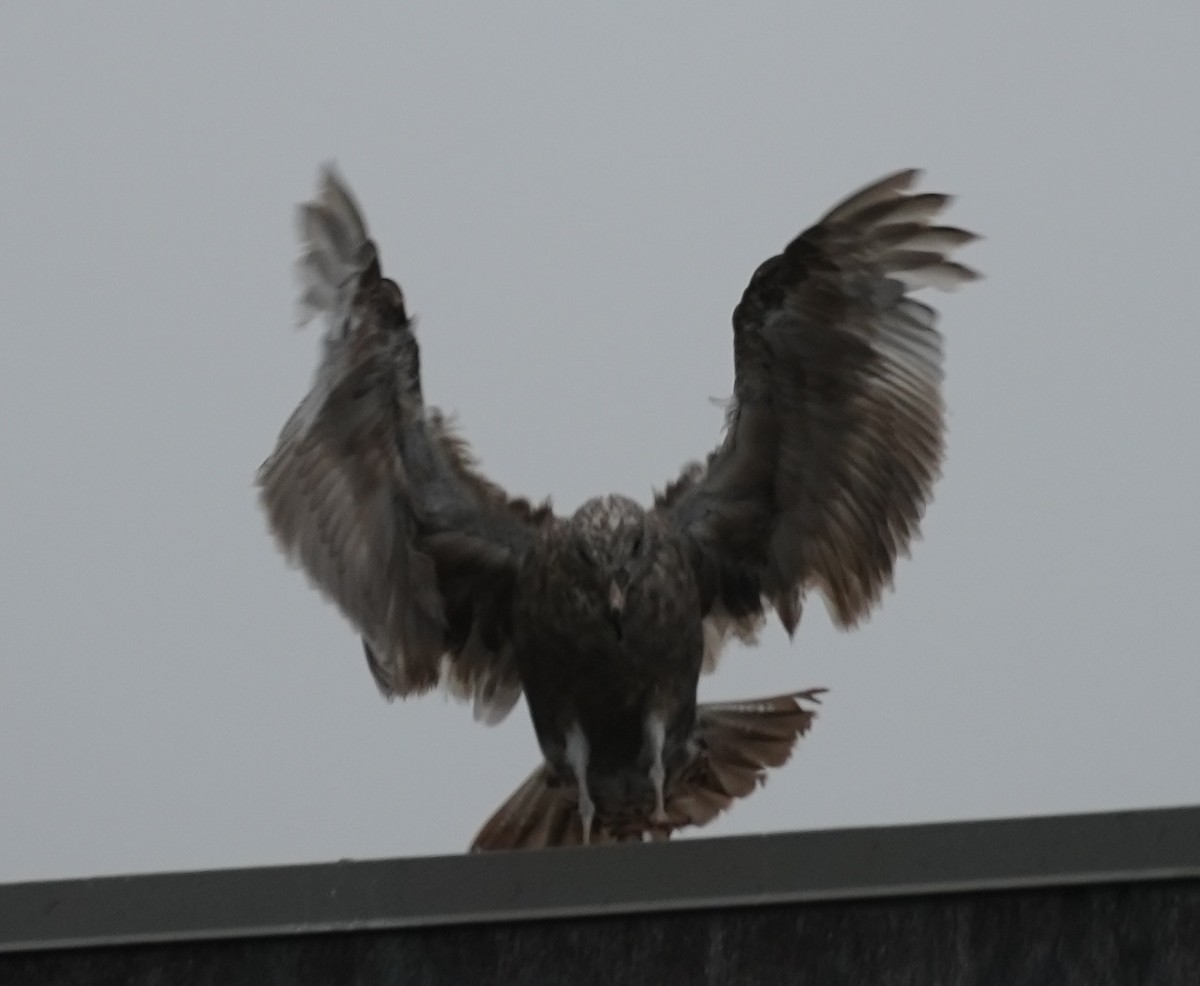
x: 738, y: 743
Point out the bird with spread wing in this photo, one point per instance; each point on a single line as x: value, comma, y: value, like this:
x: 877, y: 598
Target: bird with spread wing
x: 605, y: 619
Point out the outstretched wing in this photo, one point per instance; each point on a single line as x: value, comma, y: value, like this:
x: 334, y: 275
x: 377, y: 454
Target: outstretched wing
x: 376, y: 498
x: 835, y: 431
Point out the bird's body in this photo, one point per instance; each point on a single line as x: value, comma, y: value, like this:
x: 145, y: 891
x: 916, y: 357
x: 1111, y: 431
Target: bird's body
x: 606, y: 619
x: 610, y: 650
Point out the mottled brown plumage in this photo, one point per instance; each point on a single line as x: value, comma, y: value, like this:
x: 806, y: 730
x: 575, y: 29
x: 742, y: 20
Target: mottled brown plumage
x: 606, y: 619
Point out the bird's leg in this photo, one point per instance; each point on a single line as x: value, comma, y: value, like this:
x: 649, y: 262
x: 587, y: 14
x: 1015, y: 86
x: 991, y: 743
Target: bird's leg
x: 656, y: 735
x: 577, y: 757
x: 587, y: 812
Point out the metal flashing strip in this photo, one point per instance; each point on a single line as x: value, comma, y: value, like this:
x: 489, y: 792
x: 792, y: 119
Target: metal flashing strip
x: 791, y: 867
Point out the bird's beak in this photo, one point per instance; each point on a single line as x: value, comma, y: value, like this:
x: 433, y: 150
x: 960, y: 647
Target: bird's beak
x: 616, y: 596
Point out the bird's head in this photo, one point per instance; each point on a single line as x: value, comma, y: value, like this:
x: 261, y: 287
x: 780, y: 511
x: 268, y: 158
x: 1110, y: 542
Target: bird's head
x: 609, y: 538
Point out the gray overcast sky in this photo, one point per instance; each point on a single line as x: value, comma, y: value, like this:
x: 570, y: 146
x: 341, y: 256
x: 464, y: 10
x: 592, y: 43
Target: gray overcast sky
x: 573, y: 201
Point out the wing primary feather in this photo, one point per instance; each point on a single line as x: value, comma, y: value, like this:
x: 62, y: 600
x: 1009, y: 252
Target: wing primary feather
x: 883, y: 190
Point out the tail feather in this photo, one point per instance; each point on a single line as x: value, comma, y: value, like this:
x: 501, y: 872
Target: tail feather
x: 738, y: 743
x: 756, y: 734
x: 537, y: 815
